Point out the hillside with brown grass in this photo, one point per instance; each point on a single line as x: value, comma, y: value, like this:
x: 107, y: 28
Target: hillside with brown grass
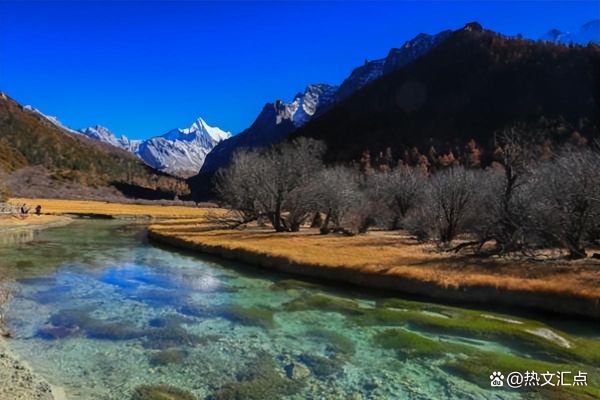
x: 43, y: 156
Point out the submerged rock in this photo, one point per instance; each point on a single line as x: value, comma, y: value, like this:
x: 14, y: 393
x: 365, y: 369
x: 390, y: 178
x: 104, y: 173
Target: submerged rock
x: 322, y: 367
x: 170, y: 337
x: 196, y: 311
x: 297, y: 371
x: 336, y: 343
x: 55, y: 332
x: 254, y: 316
x: 169, y: 320
x: 169, y: 356
x: 323, y: 302
x: 160, y: 392
x: 260, y: 380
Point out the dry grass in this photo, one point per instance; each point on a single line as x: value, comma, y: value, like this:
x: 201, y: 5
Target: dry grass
x: 58, y: 207
x: 395, y: 254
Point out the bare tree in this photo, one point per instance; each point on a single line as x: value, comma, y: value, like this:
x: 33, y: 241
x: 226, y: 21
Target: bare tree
x: 399, y: 191
x: 273, y: 183
x: 337, y: 192
x: 504, y: 200
x: 237, y: 189
x: 448, y: 204
x: 567, y: 192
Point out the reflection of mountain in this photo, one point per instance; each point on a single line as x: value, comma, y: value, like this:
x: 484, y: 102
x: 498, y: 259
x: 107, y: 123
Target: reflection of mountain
x: 588, y: 32
x: 41, y: 158
x: 471, y: 86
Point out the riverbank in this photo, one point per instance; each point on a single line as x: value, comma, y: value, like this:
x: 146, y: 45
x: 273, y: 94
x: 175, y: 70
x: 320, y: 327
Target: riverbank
x: 393, y: 261
x: 88, y: 208
x: 20, y: 382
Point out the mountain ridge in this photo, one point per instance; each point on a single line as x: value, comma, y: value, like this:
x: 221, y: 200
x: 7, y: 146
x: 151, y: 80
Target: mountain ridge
x: 56, y: 162
x: 270, y: 127
x: 472, y: 86
x: 179, y: 152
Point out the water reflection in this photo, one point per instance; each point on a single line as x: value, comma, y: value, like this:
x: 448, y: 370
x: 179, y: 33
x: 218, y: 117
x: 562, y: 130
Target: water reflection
x: 18, y: 236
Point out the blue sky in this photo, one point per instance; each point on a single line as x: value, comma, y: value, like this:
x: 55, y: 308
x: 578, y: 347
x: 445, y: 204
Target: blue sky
x: 143, y: 68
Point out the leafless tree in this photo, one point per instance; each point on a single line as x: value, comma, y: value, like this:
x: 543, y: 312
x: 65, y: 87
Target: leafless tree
x: 337, y: 192
x: 448, y: 203
x: 273, y: 183
x: 567, y: 194
x: 504, y: 201
x: 399, y: 191
x: 237, y: 189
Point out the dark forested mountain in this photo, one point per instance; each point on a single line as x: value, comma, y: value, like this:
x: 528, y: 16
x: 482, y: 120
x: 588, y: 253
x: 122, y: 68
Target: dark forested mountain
x: 33, y: 150
x: 472, y: 86
x: 278, y: 120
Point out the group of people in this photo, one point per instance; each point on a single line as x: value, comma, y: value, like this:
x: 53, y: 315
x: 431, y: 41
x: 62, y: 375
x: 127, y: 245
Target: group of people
x: 25, y: 210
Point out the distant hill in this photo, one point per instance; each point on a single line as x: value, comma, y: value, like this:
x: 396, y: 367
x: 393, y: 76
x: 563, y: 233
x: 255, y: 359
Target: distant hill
x: 34, y: 150
x: 473, y: 85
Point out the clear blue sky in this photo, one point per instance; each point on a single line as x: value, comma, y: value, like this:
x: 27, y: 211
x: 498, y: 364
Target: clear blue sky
x: 143, y: 68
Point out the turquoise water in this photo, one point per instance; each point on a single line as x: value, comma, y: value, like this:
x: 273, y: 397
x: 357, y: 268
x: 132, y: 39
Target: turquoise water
x: 99, y: 311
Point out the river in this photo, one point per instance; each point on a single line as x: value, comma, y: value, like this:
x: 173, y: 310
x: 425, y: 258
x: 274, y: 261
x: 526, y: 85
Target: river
x: 98, y: 311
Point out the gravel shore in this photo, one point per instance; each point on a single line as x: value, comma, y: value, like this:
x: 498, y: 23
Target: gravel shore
x: 19, y: 382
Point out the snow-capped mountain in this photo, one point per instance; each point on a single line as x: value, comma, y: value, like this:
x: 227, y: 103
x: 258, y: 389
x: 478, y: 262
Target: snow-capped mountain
x: 275, y: 121
x: 181, y: 152
x: 50, y: 118
x: 104, y: 135
x: 304, y: 105
x: 588, y: 32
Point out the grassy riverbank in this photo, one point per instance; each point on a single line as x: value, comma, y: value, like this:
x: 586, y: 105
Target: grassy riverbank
x: 117, y: 210
x: 391, y: 260
x: 388, y: 260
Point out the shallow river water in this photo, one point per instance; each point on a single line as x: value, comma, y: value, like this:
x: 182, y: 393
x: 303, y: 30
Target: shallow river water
x: 98, y: 311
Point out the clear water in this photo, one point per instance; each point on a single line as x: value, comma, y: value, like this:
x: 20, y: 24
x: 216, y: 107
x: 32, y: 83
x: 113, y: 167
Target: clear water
x: 98, y: 311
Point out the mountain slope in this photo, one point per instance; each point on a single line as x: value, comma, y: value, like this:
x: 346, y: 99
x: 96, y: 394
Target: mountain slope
x: 274, y: 123
x: 30, y: 140
x: 104, y: 135
x: 471, y: 86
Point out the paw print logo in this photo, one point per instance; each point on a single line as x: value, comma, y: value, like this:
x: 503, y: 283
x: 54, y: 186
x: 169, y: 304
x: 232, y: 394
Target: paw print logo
x: 497, y: 379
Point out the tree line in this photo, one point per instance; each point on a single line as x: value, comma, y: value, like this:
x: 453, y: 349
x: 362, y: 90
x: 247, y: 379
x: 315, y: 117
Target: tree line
x: 519, y: 204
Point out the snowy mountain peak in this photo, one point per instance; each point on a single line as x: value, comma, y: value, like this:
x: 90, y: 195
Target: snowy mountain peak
x: 179, y: 151
x: 304, y: 105
x: 201, y: 127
